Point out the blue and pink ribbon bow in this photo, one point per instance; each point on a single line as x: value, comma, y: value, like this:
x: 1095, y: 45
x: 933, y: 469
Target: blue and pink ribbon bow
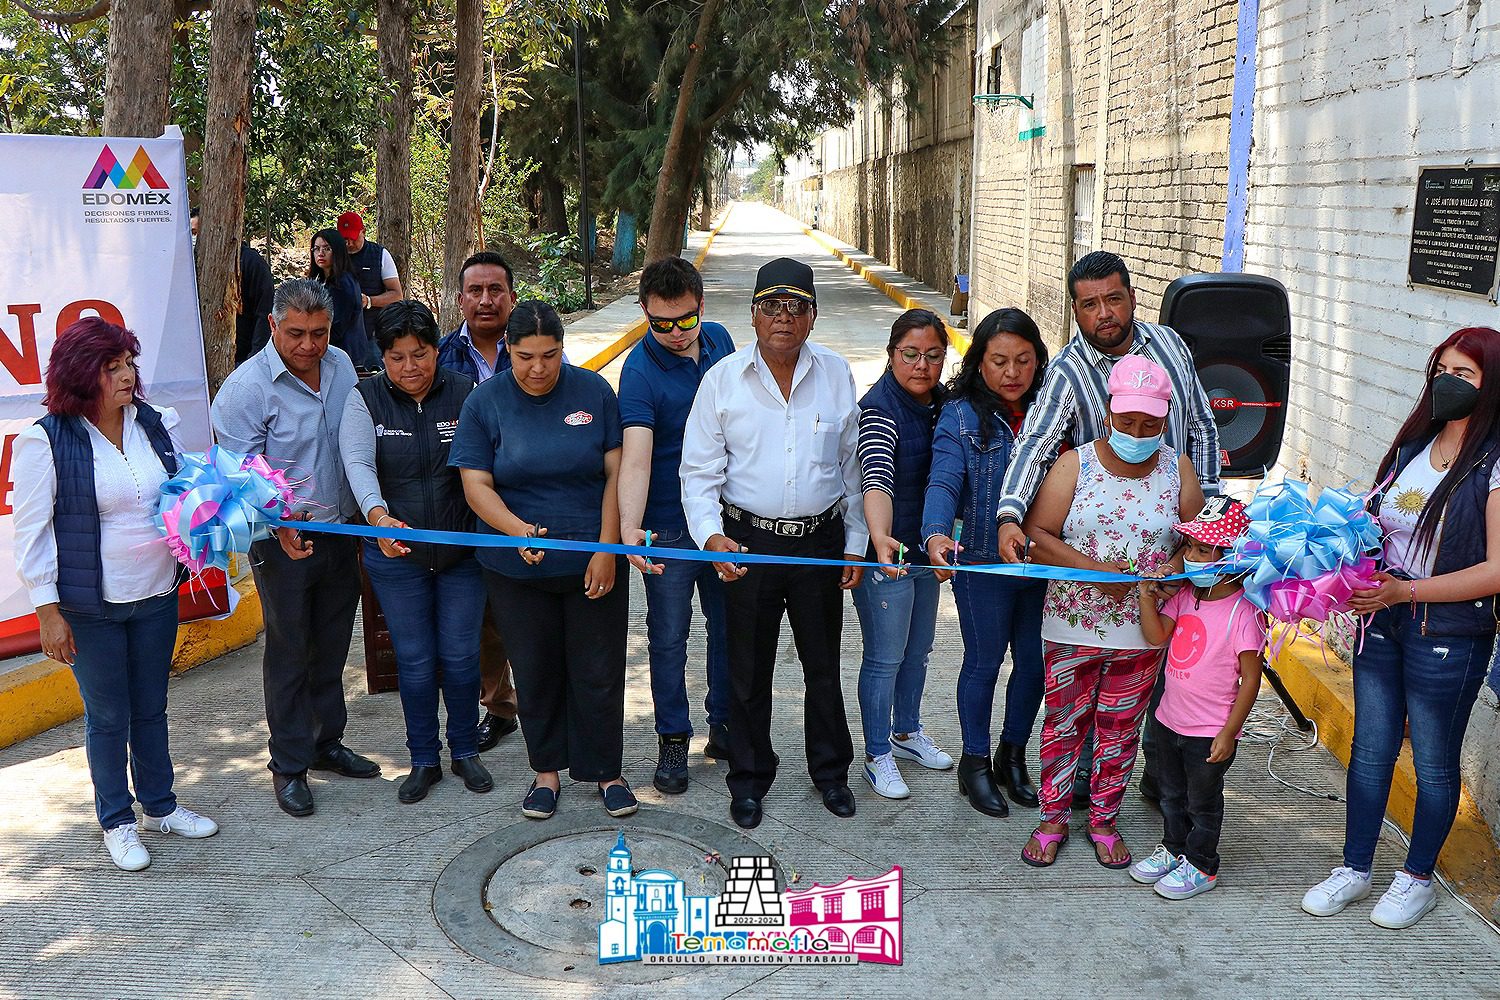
x: 218, y: 503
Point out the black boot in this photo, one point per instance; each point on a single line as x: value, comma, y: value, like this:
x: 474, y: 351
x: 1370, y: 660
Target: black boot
x: 1011, y: 775
x: 977, y: 784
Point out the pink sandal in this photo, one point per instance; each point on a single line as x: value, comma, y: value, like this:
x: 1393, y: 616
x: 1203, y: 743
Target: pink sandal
x: 1044, y: 841
x: 1110, y: 841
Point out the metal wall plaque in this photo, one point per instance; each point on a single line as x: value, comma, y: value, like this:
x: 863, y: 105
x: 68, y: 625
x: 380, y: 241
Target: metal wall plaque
x: 1455, y: 231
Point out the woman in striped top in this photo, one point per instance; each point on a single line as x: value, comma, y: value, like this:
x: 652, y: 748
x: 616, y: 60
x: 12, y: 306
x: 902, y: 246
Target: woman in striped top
x: 898, y: 607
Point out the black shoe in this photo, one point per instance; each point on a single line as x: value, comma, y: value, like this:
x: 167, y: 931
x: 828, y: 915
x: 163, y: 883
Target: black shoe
x: 491, y: 728
x: 1011, y: 775
x: 1081, y: 799
x: 472, y: 770
x: 745, y: 812
x: 540, y: 802
x: 1150, y: 790
x: 293, y: 795
x: 839, y: 801
x: 419, y: 782
x: 717, y: 746
x: 671, y: 775
x: 977, y: 784
x: 342, y: 760
x: 619, y: 800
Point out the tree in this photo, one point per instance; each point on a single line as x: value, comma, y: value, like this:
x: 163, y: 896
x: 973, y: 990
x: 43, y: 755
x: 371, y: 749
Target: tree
x: 221, y: 196
x: 462, y: 223
x: 138, y: 80
x: 393, y: 137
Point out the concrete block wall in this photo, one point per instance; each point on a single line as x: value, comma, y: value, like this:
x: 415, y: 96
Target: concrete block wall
x: 1155, y: 136
x: 1353, y: 98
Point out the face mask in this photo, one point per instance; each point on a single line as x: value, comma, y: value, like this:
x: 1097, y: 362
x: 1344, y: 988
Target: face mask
x: 1453, y: 398
x: 1199, y: 574
x: 1130, y: 449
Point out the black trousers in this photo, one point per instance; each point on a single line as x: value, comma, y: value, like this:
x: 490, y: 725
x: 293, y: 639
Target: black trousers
x: 1192, y: 796
x: 754, y: 604
x: 309, y: 607
x: 568, y: 657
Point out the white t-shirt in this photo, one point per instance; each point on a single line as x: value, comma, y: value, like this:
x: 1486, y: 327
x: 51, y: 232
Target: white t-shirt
x: 1403, y: 504
x: 387, y: 265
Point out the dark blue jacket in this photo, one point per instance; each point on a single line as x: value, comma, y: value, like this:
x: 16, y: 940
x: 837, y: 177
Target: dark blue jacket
x: 965, y: 480
x: 454, y: 355
x: 914, y: 423
x: 75, y: 511
x: 1461, y: 544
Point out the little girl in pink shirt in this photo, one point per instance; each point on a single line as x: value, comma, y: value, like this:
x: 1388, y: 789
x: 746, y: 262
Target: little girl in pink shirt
x: 1213, y: 669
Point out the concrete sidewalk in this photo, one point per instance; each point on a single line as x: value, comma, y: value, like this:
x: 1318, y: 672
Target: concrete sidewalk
x: 347, y: 903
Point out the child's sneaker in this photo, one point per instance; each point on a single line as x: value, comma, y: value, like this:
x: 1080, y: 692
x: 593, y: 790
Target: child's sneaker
x: 1342, y: 887
x: 1184, y: 882
x: 1404, y: 903
x: 1149, y: 870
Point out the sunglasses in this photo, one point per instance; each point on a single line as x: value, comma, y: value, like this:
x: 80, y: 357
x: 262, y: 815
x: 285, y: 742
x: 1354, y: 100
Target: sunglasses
x: 771, y: 308
x: 911, y: 354
x: 663, y: 325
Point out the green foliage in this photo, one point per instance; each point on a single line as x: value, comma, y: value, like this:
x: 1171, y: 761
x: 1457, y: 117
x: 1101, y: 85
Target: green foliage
x: 761, y: 184
x: 51, y: 75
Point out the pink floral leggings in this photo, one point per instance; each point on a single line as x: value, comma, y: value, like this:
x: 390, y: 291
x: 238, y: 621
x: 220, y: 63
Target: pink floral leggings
x: 1107, y: 690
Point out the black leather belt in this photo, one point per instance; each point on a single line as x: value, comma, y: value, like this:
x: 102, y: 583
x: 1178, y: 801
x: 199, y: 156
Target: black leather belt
x: 789, y: 527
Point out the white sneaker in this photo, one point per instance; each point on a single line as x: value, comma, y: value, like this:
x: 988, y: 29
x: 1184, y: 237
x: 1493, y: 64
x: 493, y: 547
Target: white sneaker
x: 1342, y: 887
x: 1148, y: 871
x: 885, y: 778
x: 1404, y: 903
x: 184, y: 823
x: 125, y: 848
x: 919, y: 748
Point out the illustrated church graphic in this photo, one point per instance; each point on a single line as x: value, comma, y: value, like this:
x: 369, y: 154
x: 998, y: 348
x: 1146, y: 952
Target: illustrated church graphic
x: 643, y: 911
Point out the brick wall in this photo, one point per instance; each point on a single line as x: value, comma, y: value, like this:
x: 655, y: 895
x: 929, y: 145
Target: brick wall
x: 1158, y: 160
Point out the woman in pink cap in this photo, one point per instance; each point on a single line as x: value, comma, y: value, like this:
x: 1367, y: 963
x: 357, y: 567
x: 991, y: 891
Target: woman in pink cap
x: 1109, y: 506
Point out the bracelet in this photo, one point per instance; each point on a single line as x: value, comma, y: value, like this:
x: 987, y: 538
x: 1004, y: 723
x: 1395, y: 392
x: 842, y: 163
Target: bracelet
x: 1413, y: 596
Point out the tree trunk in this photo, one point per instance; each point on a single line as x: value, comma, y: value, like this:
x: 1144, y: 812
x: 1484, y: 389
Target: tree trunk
x: 462, y: 218
x: 138, y: 78
x: 554, y: 201
x: 221, y: 198
x: 393, y: 136
x: 706, y: 185
x: 673, y: 188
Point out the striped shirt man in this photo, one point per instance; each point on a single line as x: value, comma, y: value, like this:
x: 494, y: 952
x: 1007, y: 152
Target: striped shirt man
x: 1073, y: 405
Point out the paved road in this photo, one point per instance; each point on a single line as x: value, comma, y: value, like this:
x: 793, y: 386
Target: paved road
x: 341, y: 904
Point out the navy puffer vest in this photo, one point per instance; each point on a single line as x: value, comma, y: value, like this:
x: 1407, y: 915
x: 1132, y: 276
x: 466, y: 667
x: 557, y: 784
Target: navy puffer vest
x: 412, y: 441
x: 914, y: 424
x: 75, y: 512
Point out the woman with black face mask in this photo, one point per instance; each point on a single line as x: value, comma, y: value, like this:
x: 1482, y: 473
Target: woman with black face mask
x: 1430, y: 626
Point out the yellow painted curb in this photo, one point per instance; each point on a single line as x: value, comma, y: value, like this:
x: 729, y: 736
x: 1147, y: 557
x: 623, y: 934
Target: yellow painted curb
x: 637, y: 330
x: 44, y: 694
x: 956, y: 337
x: 1323, y: 688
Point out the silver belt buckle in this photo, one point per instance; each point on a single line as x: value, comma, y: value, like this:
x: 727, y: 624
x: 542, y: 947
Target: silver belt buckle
x: 791, y: 529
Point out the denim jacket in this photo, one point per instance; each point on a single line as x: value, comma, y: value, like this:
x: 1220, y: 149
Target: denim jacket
x: 965, y: 480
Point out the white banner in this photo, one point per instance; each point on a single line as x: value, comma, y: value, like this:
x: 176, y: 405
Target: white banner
x: 93, y: 226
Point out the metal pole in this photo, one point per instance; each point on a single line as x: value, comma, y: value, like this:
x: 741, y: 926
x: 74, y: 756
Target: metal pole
x: 585, y: 231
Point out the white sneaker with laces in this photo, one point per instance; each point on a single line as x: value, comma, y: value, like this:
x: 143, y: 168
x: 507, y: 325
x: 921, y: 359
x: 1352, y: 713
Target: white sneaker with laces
x: 184, y: 823
x: 1343, y: 886
x: 885, y: 778
x: 1404, y: 903
x: 125, y: 848
x: 1162, y: 862
x: 918, y: 747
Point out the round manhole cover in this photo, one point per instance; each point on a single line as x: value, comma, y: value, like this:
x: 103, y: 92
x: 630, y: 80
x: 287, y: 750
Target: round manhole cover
x: 531, y: 897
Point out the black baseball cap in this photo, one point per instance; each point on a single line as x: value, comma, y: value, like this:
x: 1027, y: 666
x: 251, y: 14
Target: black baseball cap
x: 785, y: 276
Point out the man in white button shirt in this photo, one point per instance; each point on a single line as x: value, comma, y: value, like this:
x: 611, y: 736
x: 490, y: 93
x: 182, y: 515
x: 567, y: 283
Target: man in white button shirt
x: 769, y: 465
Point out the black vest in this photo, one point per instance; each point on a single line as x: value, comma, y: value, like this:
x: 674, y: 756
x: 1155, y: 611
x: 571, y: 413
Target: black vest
x: 914, y: 424
x: 1461, y: 544
x: 75, y: 511
x: 411, y: 460
x: 365, y: 266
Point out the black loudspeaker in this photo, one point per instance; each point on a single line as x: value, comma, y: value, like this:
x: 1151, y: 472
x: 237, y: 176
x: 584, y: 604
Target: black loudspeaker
x: 1239, y: 328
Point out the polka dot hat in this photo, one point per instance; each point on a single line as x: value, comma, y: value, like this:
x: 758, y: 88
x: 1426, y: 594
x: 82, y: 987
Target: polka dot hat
x: 1221, y: 521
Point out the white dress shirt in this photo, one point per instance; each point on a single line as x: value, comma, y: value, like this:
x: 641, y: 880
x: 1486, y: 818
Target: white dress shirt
x: 133, y: 554
x: 773, y: 456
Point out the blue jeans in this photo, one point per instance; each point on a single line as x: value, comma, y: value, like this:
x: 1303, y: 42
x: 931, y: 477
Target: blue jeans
x: 123, y: 662
x: 1431, y: 682
x: 669, y: 617
x: 434, y: 620
x: 995, y: 612
x: 897, y: 620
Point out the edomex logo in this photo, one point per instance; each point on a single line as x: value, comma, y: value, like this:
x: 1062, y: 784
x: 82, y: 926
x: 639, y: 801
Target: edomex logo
x: 126, y: 178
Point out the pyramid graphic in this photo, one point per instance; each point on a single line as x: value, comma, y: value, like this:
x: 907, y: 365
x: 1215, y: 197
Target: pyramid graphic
x: 750, y: 897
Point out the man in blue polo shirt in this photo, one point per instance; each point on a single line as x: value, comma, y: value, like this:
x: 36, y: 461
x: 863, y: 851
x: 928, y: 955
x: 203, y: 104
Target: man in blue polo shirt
x: 657, y: 385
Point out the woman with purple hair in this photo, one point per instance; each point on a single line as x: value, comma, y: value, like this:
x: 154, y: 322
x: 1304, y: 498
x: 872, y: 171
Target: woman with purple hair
x: 104, y: 585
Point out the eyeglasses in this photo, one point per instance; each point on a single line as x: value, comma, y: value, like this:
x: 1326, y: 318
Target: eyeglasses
x: 662, y: 324
x: 771, y: 308
x: 911, y: 354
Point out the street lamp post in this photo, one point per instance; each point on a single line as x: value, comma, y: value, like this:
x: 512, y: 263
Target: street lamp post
x: 585, y: 231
